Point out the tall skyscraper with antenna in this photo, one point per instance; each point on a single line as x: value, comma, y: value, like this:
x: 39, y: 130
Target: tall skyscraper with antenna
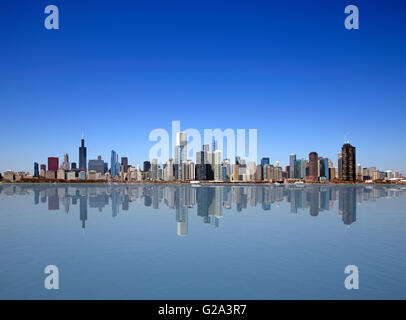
x: 82, y: 155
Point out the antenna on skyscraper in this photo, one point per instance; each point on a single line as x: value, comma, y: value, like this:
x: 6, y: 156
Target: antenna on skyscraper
x: 83, y: 134
x: 346, y: 138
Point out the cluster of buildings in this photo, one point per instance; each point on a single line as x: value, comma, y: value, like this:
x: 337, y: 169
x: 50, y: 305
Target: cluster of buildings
x: 209, y: 166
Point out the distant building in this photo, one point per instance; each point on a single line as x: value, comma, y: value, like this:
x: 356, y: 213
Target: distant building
x: 146, y: 166
x: 313, y: 166
x: 50, y: 175
x: 70, y: 175
x: 43, y: 170
x: 97, y: 165
x: 348, y: 158
x: 82, y: 155
x: 36, y: 170
x: 53, y: 164
x: 60, y: 175
x: 292, y: 166
x: 9, y: 175
x: 124, y: 163
x: 115, y: 165
x: 264, y: 161
x: 324, y: 170
x: 340, y: 165
x: 82, y: 175
x: 65, y: 164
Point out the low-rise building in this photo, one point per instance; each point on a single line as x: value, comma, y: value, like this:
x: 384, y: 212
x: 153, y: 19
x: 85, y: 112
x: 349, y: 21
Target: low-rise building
x: 50, y: 175
x: 70, y: 175
x: 60, y: 175
x: 9, y: 176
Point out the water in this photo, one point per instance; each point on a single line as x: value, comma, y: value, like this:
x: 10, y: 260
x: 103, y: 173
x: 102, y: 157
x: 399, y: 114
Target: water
x: 216, y: 242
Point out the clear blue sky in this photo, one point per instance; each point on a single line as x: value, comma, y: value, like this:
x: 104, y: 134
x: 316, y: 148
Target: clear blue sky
x: 119, y: 69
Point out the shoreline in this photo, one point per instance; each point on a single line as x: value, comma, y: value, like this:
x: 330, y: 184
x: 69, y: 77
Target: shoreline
x: 206, y: 183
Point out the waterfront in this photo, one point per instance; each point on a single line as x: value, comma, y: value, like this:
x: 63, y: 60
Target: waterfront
x: 202, y: 242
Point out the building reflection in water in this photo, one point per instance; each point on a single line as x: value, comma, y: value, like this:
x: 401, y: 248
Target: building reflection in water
x: 209, y: 201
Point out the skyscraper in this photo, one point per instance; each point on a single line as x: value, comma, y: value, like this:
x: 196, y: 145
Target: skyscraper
x: 124, y: 163
x: 53, y: 164
x: 292, y: 165
x: 264, y: 161
x: 82, y: 155
x: 313, y: 166
x: 115, y: 166
x: 180, y: 152
x: 214, y: 145
x: 36, y: 170
x: 340, y: 165
x: 146, y: 166
x: 348, y: 156
x: 324, y: 172
x: 65, y: 164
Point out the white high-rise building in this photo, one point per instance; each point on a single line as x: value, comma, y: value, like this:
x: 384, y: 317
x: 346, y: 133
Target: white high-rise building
x: 218, y: 158
x: 181, y: 153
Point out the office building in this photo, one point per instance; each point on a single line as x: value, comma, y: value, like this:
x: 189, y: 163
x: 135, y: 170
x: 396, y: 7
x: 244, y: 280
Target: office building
x: 313, y: 166
x: 292, y: 166
x: 36, y: 170
x: 124, y: 163
x: 82, y: 155
x: 348, y: 162
x: 53, y: 164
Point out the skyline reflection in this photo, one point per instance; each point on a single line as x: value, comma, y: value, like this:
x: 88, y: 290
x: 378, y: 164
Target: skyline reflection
x: 209, y: 201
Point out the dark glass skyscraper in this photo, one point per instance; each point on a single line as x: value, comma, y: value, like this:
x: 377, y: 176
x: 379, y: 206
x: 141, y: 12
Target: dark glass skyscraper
x: 147, y: 166
x: 36, y: 171
x: 348, y: 158
x: 313, y: 166
x: 124, y: 163
x: 264, y: 161
x: 82, y: 155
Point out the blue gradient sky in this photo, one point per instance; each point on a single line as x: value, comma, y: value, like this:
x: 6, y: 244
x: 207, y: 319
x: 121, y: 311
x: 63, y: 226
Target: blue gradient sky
x: 119, y: 69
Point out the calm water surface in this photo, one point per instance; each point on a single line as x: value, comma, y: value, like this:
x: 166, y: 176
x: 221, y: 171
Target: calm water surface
x: 214, y: 242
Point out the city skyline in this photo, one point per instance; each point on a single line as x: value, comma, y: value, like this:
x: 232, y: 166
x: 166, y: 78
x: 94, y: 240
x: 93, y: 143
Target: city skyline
x: 291, y: 71
x: 208, y: 165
